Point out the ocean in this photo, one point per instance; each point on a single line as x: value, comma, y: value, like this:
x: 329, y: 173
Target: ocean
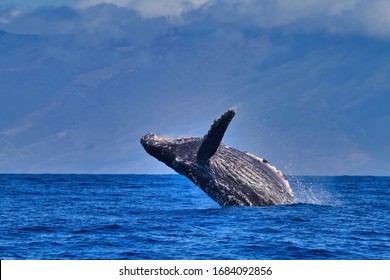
x: 138, y: 217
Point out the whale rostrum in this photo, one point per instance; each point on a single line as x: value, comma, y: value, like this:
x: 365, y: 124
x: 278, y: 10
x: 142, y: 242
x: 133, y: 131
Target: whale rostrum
x: 229, y: 176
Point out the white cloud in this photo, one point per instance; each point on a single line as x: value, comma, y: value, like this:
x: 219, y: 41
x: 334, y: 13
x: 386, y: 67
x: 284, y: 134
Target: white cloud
x: 152, y: 8
x: 368, y: 18
x: 335, y: 16
x: 371, y: 18
x: 7, y: 15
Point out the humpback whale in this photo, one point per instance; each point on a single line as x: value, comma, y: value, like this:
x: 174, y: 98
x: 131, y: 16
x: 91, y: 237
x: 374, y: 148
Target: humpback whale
x: 229, y: 176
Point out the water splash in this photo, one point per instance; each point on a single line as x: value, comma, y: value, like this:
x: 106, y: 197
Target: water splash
x: 312, y: 191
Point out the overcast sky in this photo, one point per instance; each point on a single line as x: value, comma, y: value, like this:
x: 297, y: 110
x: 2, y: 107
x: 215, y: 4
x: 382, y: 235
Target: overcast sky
x: 309, y: 80
x: 360, y: 16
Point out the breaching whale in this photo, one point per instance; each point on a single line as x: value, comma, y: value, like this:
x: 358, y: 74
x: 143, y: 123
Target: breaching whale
x: 229, y: 176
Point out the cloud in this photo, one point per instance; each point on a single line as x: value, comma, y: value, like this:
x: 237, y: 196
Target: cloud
x: 151, y: 8
x: 95, y: 25
x: 368, y: 18
x: 45, y: 20
x: 7, y: 14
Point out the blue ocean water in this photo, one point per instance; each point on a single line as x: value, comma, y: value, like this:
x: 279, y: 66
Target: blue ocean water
x: 167, y: 217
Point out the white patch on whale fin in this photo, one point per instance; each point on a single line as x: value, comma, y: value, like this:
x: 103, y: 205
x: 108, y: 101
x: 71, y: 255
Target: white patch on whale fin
x: 213, y: 138
x: 273, y: 172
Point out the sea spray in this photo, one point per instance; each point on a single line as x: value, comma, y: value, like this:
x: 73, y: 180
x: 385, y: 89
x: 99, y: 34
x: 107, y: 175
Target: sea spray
x: 312, y: 190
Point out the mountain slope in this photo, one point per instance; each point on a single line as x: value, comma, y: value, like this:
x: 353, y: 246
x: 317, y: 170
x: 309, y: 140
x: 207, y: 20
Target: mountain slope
x: 311, y: 104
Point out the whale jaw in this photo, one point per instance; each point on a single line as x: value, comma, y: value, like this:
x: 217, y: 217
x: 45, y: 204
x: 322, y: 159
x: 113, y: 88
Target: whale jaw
x: 178, y: 154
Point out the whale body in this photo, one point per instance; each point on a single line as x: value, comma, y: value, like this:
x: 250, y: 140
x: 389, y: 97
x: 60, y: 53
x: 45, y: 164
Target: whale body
x: 229, y: 176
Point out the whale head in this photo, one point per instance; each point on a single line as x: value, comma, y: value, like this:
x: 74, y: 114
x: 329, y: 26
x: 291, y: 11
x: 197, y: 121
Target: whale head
x: 182, y: 153
x: 177, y: 153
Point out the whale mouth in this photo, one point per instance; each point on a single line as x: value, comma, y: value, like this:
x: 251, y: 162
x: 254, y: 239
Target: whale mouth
x: 158, y: 147
x: 152, y: 139
x: 151, y: 144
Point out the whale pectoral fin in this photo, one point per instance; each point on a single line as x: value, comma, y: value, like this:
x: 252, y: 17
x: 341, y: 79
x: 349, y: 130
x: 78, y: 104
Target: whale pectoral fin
x: 214, y: 137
